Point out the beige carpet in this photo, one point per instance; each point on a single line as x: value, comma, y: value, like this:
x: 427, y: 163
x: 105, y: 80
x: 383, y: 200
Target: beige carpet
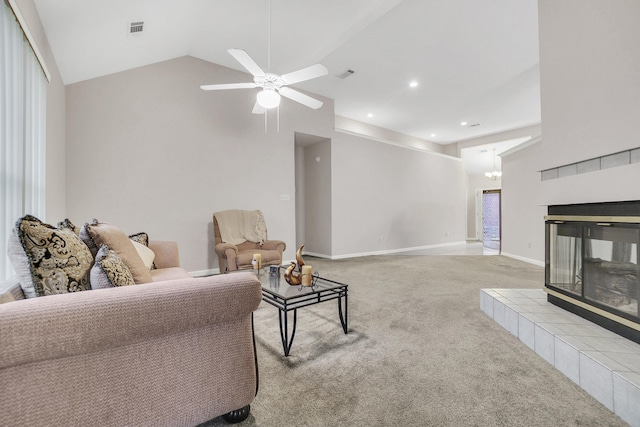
x: 419, y: 353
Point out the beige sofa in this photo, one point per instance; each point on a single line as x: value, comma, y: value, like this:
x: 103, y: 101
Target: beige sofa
x: 176, y: 352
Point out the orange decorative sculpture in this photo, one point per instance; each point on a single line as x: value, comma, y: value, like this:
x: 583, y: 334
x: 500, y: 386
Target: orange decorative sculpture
x: 293, y: 277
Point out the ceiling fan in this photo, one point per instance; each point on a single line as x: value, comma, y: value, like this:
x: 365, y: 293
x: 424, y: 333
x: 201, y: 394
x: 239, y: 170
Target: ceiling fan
x: 272, y: 85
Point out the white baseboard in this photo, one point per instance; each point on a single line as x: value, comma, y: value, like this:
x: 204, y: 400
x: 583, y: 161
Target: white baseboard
x: 202, y: 273
x: 386, y: 251
x: 314, y: 254
x: 521, y: 258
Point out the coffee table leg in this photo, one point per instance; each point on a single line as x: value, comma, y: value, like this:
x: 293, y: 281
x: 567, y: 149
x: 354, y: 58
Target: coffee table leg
x: 344, y: 319
x: 284, y: 330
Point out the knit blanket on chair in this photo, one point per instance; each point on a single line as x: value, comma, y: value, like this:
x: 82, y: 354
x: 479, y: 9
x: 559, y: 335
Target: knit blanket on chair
x: 237, y: 226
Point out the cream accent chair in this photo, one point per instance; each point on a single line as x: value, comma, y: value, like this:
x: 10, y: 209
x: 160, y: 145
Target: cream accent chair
x: 238, y: 257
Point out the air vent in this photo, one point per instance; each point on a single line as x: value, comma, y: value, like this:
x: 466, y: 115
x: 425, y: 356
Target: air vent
x: 474, y: 125
x: 136, y: 27
x: 345, y: 74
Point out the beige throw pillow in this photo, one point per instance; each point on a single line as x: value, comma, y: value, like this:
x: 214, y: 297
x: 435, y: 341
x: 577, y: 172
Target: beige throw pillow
x: 145, y: 253
x: 103, y: 233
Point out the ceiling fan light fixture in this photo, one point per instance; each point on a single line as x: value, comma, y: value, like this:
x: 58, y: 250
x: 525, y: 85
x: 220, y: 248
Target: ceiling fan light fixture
x: 268, y: 98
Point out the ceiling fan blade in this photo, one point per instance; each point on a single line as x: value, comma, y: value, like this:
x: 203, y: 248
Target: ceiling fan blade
x: 258, y: 109
x: 308, y: 73
x: 300, y: 97
x: 229, y: 86
x: 247, y: 62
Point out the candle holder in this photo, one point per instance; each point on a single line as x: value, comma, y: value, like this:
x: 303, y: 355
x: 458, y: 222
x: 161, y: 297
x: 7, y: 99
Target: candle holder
x: 314, y: 281
x: 256, y: 262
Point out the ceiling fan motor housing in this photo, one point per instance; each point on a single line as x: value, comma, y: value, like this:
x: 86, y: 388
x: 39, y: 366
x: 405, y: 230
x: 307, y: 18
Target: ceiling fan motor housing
x: 269, y: 81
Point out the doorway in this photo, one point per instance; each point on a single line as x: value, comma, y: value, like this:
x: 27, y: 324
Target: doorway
x: 491, y: 219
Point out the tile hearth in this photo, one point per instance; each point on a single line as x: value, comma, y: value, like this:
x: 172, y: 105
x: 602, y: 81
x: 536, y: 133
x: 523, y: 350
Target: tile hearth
x: 604, y: 364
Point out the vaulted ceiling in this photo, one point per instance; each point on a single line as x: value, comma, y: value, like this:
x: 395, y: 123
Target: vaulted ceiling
x: 474, y: 61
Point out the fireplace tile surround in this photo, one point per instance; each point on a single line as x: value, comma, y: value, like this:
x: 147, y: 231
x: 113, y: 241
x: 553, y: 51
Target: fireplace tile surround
x: 603, y: 363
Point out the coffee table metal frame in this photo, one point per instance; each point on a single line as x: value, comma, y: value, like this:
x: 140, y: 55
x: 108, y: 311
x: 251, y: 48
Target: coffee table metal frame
x: 325, y: 290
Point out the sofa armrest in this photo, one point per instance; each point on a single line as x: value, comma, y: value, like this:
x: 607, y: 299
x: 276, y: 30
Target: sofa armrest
x: 166, y: 252
x: 277, y: 245
x: 56, y: 326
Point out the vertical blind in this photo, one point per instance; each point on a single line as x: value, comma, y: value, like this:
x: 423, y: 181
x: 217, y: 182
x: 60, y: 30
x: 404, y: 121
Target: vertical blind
x: 22, y: 133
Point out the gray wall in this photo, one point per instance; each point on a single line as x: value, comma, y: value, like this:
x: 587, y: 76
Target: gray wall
x: 590, y: 95
x: 522, y: 215
x: 386, y: 197
x: 152, y: 152
x: 589, y: 67
x: 149, y: 151
x: 317, y: 198
x: 590, y: 104
x: 55, y: 204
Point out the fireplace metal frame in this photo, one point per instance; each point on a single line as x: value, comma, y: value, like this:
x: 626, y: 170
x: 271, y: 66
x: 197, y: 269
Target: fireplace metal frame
x: 622, y: 215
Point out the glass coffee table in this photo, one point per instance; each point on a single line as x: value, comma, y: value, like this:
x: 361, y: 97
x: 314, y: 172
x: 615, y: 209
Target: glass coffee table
x: 277, y: 292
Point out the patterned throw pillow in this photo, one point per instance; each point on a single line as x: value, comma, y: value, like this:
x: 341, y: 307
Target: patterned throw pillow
x: 109, y: 270
x: 86, y: 238
x: 58, y: 260
x: 68, y: 224
x: 142, y: 238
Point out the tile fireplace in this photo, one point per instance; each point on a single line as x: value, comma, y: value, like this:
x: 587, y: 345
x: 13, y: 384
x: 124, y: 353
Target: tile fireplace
x: 592, y: 263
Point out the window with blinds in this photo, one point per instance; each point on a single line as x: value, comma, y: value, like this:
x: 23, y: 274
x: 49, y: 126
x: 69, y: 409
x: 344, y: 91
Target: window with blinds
x: 22, y: 133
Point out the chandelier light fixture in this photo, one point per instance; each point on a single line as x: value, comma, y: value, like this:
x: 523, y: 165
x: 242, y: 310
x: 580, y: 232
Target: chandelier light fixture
x: 495, y: 173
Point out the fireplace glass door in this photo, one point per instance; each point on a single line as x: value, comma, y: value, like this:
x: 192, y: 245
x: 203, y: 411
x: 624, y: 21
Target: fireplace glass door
x: 611, y: 266
x: 596, y: 262
x: 564, y: 257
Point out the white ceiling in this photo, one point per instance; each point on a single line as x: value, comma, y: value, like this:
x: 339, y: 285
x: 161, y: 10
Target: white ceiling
x: 475, y: 60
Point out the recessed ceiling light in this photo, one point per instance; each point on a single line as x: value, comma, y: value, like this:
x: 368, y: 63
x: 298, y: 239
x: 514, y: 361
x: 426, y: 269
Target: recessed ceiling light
x: 463, y: 124
x: 433, y: 135
x: 413, y: 84
x: 370, y: 115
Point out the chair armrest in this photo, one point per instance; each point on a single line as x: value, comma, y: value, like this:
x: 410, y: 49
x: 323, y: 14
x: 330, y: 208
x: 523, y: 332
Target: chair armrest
x: 222, y: 249
x: 64, y: 325
x: 166, y: 252
x: 277, y: 245
x: 229, y: 252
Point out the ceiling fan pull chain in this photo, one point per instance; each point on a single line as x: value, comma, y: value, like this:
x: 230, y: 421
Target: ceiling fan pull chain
x: 265, y: 121
x: 269, y: 39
